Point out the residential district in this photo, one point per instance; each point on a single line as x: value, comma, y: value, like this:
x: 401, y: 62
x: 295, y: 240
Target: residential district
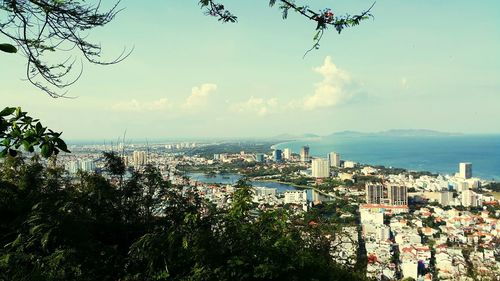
x: 395, y: 224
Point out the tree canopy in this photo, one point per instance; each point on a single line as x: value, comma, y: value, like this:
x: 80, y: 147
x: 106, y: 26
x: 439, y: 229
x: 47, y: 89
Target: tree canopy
x: 53, y: 228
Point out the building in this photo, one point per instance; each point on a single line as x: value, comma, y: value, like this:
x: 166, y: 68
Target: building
x: 374, y: 193
x: 445, y: 197
x: 470, y: 199
x: 264, y: 191
x: 320, y: 168
x: 350, y: 164
x: 295, y: 197
x: 287, y: 153
x: 277, y: 155
x: 126, y: 160
x: 73, y: 167
x: 397, y: 195
x: 259, y: 157
x: 87, y: 165
x: 465, y: 170
x: 80, y: 165
x: 304, y: 154
x: 334, y: 159
x: 139, y: 158
x: 409, y: 268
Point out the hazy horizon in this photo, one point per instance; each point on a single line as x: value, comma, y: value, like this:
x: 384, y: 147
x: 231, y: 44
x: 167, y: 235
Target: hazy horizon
x: 431, y: 65
x: 270, y: 138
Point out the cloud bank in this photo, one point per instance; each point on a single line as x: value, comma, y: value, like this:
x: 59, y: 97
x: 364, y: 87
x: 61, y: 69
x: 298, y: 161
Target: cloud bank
x: 197, y: 100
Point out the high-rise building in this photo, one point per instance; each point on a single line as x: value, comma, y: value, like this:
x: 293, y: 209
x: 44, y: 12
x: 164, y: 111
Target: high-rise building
x: 287, y: 153
x: 87, y: 165
x: 397, y: 195
x: 259, y: 157
x: 125, y: 160
x: 139, y: 158
x: 470, y: 199
x: 374, y: 193
x: 334, y: 159
x: 73, y: 167
x: 304, y: 154
x: 465, y: 170
x: 277, y: 155
x: 320, y: 168
x: 445, y: 197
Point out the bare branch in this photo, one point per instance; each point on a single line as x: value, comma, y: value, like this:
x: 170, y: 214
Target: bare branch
x: 41, y: 27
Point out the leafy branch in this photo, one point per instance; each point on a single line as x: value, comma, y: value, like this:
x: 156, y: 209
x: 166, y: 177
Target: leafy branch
x: 18, y: 129
x: 42, y: 27
x: 323, y: 18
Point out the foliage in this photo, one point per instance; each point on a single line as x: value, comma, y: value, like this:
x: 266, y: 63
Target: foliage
x: 328, y: 184
x: 8, y: 48
x: 18, y: 129
x: 493, y: 186
x: 114, y: 164
x: 323, y: 18
x: 147, y: 229
x: 40, y: 28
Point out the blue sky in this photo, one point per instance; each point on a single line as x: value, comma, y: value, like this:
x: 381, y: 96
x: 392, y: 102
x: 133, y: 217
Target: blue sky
x: 419, y: 64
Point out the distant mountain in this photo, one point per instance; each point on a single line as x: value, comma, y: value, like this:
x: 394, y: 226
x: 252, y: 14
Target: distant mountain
x: 347, y: 134
x: 396, y: 133
x: 294, y: 137
x: 416, y: 133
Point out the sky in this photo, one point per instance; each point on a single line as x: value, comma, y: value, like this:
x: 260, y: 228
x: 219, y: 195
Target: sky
x: 417, y: 65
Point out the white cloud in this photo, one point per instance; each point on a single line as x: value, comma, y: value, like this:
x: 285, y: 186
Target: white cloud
x: 196, y: 100
x: 137, y: 106
x: 332, y: 90
x: 199, y: 96
x: 259, y: 106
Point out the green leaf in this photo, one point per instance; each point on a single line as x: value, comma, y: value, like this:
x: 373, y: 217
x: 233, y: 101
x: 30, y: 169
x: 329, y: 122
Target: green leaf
x: 27, y: 145
x: 7, y: 111
x: 39, y: 128
x: 46, y: 150
x: 62, y: 145
x: 8, y: 48
x: 6, y: 142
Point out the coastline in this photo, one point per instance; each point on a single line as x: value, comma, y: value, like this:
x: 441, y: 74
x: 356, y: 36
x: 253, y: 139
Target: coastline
x: 439, y: 155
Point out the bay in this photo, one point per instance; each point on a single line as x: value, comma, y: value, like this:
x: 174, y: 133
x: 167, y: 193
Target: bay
x: 438, y: 154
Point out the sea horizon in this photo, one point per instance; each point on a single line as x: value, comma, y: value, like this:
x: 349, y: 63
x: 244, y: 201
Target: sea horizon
x: 436, y: 154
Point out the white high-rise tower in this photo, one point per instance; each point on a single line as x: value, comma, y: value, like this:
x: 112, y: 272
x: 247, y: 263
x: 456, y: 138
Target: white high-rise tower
x: 320, y: 168
x: 465, y: 170
x: 334, y: 159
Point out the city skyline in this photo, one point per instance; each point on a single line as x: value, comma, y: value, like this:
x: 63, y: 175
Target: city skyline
x: 200, y: 78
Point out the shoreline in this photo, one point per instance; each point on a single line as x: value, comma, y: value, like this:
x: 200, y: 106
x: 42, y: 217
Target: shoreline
x: 301, y: 187
x: 442, y: 172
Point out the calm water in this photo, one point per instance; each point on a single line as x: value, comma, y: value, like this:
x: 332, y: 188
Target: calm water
x: 435, y: 154
x: 233, y: 178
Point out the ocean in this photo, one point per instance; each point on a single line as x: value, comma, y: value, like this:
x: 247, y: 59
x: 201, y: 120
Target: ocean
x: 437, y: 154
